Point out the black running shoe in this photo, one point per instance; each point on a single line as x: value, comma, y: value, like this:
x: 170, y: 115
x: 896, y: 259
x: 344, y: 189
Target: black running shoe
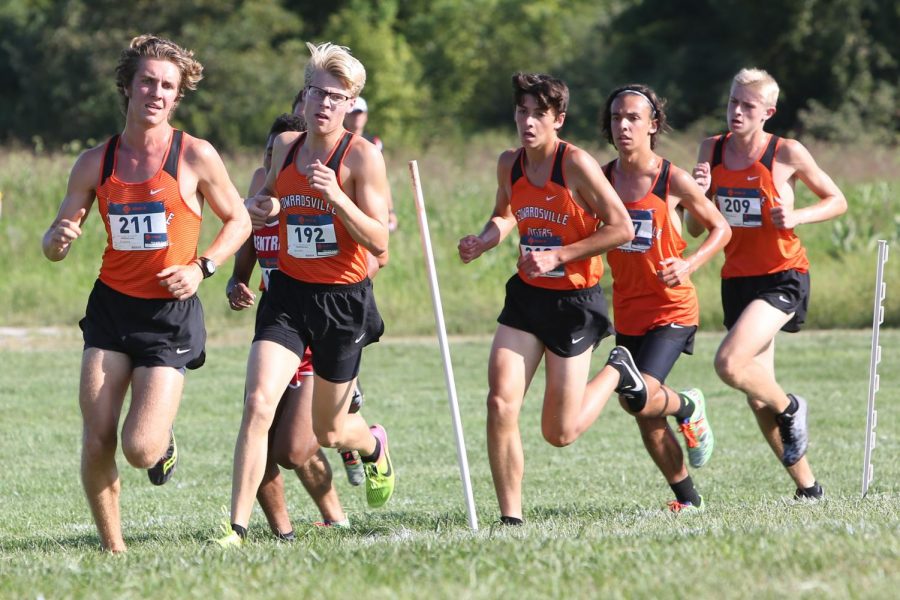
x: 816, y: 492
x: 162, y: 471
x: 794, y: 433
x: 631, y: 383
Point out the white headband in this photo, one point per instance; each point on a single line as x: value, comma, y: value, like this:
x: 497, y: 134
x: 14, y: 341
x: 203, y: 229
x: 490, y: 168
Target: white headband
x: 642, y: 95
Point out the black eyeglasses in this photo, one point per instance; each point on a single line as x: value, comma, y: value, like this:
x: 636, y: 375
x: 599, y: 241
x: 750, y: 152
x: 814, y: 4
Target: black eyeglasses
x: 318, y: 94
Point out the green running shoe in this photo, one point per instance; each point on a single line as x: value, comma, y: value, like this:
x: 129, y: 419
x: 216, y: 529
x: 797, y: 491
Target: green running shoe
x: 229, y: 537
x: 162, y: 471
x: 379, y: 474
x: 698, y: 435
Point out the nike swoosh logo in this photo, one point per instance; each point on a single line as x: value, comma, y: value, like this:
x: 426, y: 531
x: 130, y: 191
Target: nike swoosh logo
x: 549, y: 198
x: 637, y: 378
x: 783, y: 299
x: 182, y: 350
x: 676, y: 326
x: 155, y: 192
x: 359, y: 339
x: 752, y: 178
x: 576, y: 340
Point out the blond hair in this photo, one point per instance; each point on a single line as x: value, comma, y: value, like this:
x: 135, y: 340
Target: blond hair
x: 151, y: 46
x: 337, y: 62
x: 761, y: 81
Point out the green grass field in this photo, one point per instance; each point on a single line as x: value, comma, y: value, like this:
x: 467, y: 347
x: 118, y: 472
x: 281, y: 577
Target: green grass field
x: 596, y: 521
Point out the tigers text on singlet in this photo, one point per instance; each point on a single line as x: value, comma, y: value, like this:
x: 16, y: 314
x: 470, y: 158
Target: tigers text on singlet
x: 265, y: 242
x: 149, y: 226
x: 641, y: 301
x: 314, y: 246
x: 746, y: 198
x: 548, y: 218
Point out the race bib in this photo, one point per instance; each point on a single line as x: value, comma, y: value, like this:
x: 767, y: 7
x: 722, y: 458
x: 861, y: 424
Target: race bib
x: 643, y: 231
x: 138, y: 225
x: 742, y: 207
x: 311, y: 236
x: 535, y: 243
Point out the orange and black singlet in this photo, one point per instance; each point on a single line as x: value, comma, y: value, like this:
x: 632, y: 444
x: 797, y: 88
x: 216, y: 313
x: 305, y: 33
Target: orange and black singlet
x: 641, y: 301
x: 149, y: 226
x: 548, y: 218
x: 746, y: 198
x: 314, y: 246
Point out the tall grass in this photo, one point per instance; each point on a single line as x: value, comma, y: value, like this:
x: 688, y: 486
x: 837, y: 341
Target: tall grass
x: 459, y: 181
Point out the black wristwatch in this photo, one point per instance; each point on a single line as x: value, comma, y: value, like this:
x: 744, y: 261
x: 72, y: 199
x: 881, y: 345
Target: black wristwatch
x: 207, y: 266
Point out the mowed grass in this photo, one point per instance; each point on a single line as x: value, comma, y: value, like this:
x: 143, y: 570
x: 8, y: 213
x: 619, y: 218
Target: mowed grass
x: 596, y: 525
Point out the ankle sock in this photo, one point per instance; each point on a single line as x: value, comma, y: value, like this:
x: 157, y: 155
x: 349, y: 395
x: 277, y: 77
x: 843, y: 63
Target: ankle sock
x: 511, y: 520
x: 685, y: 410
x: 374, y: 456
x: 241, y: 531
x: 685, y: 492
x: 792, y: 407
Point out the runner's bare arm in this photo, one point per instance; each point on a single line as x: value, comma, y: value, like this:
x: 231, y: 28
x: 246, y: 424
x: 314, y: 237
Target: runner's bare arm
x: 365, y: 215
x: 702, y: 177
x: 502, y: 220
x: 832, y: 202
x: 80, y: 193
x: 685, y: 191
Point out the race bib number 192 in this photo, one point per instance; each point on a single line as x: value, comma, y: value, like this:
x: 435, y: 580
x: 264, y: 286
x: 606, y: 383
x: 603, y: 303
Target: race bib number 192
x: 311, y: 236
x: 138, y: 225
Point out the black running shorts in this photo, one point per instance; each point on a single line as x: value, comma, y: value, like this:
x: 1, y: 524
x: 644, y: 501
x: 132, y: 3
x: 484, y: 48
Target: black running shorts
x: 335, y: 321
x: 152, y: 332
x: 567, y: 322
x: 788, y: 291
x: 656, y: 351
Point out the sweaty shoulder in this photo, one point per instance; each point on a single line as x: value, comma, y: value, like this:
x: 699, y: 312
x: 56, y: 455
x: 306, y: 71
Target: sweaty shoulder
x: 580, y: 166
x: 197, y: 152
x: 791, y: 152
x: 507, y: 160
x: 680, y: 180
x: 363, y: 152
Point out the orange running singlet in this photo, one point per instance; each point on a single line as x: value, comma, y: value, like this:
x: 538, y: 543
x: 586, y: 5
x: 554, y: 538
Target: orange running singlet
x: 149, y: 226
x: 548, y: 217
x: 314, y: 245
x: 746, y: 198
x: 641, y: 301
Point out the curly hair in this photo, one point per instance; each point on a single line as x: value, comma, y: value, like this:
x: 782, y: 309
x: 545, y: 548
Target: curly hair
x: 151, y: 46
x: 550, y: 93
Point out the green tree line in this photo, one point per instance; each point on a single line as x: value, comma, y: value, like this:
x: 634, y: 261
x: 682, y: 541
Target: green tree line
x: 441, y: 68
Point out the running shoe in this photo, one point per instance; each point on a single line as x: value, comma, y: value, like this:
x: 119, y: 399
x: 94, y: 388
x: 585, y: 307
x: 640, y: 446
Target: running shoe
x: 698, y: 435
x: 345, y: 524
x: 229, y: 537
x: 794, y: 433
x: 631, y: 383
x: 816, y: 492
x: 162, y: 471
x: 379, y: 474
x: 686, y: 507
x: 353, y: 465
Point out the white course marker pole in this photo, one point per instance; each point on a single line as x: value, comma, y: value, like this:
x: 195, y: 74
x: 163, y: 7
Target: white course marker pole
x: 874, y: 359
x: 445, y: 348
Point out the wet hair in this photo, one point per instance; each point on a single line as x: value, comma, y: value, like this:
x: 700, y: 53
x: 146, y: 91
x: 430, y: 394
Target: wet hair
x: 761, y: 81
x: 339, y: 63
x: 151, y: 46
x: 287, y: 122
x: 549, y: 92
x: 657, y: 109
